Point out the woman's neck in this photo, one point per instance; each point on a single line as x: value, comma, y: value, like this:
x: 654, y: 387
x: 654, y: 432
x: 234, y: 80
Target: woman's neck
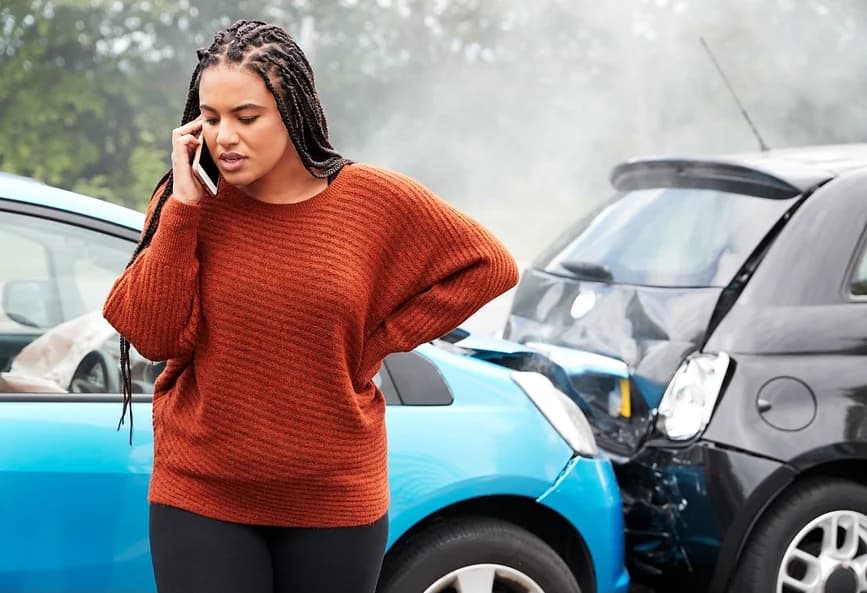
x: 286, y: 183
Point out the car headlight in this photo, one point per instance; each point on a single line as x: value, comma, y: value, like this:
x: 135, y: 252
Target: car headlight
x: 563, y: 413
x: 690, y: 397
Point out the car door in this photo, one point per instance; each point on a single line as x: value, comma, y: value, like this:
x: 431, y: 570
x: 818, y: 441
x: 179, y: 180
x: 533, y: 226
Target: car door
x: 73, y: 491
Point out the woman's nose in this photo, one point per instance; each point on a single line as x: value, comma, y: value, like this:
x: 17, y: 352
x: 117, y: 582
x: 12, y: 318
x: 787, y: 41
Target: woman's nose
x: 227, y: 135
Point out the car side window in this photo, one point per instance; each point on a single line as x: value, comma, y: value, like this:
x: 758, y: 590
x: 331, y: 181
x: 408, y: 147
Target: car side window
x: 54, y: 278
x: 25, y: 259
x: 859, y: 280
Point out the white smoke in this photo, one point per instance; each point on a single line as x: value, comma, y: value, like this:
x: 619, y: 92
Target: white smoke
x: 524, y: 136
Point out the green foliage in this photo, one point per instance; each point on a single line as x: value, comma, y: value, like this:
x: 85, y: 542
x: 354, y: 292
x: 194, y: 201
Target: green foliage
x: 506, y: 107
x: 89, y: 90
x: 67, y: 108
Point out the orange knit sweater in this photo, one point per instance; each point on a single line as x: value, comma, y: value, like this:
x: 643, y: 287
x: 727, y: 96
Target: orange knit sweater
x: 274, y: 320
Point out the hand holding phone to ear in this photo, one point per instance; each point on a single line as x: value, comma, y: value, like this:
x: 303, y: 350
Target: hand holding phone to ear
x: 185, y: 140
x: 205, y: 169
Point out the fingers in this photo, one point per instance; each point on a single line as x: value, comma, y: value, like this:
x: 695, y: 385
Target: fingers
x: 184, y: 146
x: 185, y: 139
x: 191, y: 127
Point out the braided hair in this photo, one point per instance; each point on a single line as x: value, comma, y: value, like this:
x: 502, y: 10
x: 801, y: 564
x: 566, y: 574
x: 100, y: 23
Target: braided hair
x: 273, y: 54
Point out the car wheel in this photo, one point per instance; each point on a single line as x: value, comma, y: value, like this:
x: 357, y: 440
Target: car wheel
x: 813, y: 539
x: 475, y: 555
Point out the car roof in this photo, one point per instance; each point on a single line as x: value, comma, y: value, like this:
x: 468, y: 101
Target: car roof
x: 799, y: 168
x: 29, y: 191
x: 831, y: 158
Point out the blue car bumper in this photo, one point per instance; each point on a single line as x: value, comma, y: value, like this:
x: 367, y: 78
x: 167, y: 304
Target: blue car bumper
x: 599, y: 517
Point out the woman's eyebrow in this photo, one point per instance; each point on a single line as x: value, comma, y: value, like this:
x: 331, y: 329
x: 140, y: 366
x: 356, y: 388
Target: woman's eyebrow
x: 241, y: 107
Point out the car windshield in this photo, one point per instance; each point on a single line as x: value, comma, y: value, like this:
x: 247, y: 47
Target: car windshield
x: 669, y: 237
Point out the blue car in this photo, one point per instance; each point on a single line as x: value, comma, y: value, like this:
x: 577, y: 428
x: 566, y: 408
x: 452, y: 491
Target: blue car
x: 496, y: 482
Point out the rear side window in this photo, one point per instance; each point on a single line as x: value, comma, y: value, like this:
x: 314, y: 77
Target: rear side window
x: 670, y: 237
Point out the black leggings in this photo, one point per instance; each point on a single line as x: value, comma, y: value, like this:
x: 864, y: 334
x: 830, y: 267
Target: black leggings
x: 195, y: 554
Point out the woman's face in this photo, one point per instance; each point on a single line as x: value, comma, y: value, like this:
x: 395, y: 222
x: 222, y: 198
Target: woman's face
x: 242, y: 126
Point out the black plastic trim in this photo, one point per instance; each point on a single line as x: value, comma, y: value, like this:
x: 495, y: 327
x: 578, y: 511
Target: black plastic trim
x: 71, y: 398
x: 386, y: 386
x: 79, y: 220
x: 417, y: 380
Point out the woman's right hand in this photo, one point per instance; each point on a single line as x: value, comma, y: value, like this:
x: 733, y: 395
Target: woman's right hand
x: 185, y: 140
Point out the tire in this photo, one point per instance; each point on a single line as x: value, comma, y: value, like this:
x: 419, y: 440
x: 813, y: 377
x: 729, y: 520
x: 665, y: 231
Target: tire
x: 794, y: 525
x: 520, y: 562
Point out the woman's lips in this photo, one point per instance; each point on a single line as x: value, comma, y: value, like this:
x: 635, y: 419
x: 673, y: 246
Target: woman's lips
x: 231, y: 162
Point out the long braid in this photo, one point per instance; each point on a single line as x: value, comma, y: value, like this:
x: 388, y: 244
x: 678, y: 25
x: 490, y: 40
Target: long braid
x: 273, y: 54
x: 191, y: 111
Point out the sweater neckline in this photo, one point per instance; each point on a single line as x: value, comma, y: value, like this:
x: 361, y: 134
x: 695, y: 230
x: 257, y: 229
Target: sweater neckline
x: 251, y: 204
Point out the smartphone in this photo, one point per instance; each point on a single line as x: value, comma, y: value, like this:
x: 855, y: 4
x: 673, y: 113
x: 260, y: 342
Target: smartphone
x: 205, y: 168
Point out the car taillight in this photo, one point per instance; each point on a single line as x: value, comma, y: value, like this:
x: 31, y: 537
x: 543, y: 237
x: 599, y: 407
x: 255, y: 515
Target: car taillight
x: 689, y: 400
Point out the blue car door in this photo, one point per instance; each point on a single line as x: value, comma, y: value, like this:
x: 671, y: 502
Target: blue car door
x: 73, y: 491
x: 73, y: 495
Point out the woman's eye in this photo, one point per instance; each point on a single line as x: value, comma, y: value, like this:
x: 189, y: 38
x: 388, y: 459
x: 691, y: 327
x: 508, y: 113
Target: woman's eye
x: 210, y: 122
x: 248, y: 120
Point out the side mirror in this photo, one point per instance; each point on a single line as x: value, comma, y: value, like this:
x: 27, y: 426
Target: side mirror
x: 31, y: 303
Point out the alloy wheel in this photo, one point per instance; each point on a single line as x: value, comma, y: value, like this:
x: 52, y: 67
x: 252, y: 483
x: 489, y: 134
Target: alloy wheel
x: 485, y: 578
x: 829, y: 555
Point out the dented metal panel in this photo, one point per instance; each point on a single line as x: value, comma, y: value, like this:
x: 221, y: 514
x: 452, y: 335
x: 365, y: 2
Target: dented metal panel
x: 650, y: 329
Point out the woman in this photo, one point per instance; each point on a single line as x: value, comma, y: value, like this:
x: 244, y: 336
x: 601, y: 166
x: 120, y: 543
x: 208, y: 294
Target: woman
x: 274, y: 304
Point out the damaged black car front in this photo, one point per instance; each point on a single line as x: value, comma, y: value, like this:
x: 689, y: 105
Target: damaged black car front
x: 645, y: 281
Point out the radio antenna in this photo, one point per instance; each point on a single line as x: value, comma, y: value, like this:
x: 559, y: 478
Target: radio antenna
x: 762, y: 145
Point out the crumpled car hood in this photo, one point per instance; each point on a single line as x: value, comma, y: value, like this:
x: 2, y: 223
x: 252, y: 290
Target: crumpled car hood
x: 650, y: 329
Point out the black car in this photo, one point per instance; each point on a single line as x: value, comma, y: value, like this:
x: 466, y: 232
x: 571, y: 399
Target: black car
x: 733, y: 293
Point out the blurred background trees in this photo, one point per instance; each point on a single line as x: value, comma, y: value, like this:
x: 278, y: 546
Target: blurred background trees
x: 514, y: 111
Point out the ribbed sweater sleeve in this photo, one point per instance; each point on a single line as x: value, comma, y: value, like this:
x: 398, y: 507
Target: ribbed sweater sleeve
x: 443, y: 267
x: 155, y: 303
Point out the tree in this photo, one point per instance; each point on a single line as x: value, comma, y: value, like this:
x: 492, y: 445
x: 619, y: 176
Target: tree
x: 514, y: 111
